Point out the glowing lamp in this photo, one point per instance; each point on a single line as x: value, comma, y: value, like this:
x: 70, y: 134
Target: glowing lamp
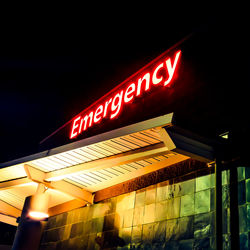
x: 39, y: 206
x: 38, y: 215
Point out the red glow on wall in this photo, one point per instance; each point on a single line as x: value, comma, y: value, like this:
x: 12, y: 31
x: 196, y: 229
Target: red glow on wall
x: 161, y: 75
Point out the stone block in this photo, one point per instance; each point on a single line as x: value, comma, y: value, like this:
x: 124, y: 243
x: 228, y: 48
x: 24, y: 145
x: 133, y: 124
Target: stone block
x: 61, y: 245
x: 82, y: 214
x: 158, y: 245
x: 212, y: 243
x: 202, y: 201
x: 150, y: 194
x: 138, y: 216
x: 140, y: 197
x: 125, y: 234
x: 244, y: 242
x: 51, y: 223
x: 173, y: 191
x: 61, y: 219
x: 67, y: 231
x: 225, y: 177
x: 119, y: 217
x: 248, y: 218
x: 76, y: 229
x: 173, y: 208
x: 125, y: 201
x: 247, y: 172
x: 187, y: 187
x: 212, y: 178
x: 225, y: 196
x: 187, y: 205
x: 92, y: 244
x: 87, y: 227
x: 160, y: 231
x: 148, y: 232
x: 149, y: 213
x: 55, y: 234
x: 74, y: 243
x: 203, y: 225
x: 186, y: 244
x: 203, y: 182
x: 136, y: 236
x: 203, y: 243
x: 89, y: 210
x: 248, y: 190
x: 241, y: 173
x: 243, y: 219
x: 241, y: 192
x: 212, y: 199
x: 172, y: 230
x: 109, y: 222
x: 70, y: 217
x: 146, y: 246
x: 100, y: 210
x: 128, y: 218
x: 161, y: 191
x: 109, y: 240
x: 226, y: 241
x: 172, y: 245
x: 97, y: 225
x: 225, y: 221
x: 161, y: 210
x: 186, y: 228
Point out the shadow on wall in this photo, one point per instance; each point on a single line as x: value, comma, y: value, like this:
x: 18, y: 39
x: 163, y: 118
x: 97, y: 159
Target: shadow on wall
x: 110, y: 239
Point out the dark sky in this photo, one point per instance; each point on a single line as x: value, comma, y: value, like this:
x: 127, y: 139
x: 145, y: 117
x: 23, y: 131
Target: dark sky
x: 51, y: 69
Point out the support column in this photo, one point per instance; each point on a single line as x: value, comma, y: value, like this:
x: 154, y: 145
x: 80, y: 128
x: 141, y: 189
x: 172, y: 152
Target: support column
x: 29, y: 232
x: 218, y: 205
x: 234, y: 212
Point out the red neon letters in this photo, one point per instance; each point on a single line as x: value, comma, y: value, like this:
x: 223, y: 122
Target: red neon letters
x: 112, y: 106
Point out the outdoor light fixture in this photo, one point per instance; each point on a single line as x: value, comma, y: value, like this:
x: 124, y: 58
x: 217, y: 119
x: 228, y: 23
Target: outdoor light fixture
x: 38, y: 209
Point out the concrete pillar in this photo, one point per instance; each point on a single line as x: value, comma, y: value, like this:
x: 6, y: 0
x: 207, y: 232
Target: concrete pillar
x: 29, y: 232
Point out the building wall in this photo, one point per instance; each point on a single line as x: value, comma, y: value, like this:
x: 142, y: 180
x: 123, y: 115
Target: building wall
x: 243, y: 206
x: 178, y: 214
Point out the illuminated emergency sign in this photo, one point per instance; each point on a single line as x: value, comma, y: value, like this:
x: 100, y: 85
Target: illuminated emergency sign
x: 161, y: 74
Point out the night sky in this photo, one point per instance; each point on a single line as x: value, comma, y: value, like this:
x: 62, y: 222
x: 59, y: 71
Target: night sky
x: 50, y: 70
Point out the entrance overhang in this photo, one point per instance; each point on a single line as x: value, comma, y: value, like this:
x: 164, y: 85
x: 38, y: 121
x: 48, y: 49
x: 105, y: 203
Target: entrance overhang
x: 74, y: 173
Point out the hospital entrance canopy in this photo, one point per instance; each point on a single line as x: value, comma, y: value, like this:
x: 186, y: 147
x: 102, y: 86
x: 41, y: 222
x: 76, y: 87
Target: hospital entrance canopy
x: 112, y: 142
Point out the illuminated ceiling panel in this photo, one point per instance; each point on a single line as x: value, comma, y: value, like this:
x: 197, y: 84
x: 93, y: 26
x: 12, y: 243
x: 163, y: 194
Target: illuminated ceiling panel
x: 97, y: 151
x: 92, y: 178
x: 12, y: 172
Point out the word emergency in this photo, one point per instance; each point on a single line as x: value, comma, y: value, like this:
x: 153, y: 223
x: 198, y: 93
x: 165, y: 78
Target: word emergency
x: 112, y: 106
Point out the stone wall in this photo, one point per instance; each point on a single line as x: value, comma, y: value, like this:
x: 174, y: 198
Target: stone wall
x: 244, y: 206
x: 175, y: 214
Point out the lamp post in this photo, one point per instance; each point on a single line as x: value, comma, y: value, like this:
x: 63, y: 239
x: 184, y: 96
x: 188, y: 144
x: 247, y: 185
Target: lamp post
x: 32, y: 220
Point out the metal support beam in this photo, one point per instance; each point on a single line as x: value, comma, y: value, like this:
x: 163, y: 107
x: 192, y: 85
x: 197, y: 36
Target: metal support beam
x: 15, y: 183
x: 7, y: 209
x: 38, y: 176
x: 8, y: 219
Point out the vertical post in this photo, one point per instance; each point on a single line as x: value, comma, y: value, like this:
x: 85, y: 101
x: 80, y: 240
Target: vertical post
x: 218, y: 205
x: 29, y: 232
x: 234, y: 212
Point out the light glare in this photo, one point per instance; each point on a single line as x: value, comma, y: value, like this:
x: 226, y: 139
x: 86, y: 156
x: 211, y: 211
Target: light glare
x: 38, y: 215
